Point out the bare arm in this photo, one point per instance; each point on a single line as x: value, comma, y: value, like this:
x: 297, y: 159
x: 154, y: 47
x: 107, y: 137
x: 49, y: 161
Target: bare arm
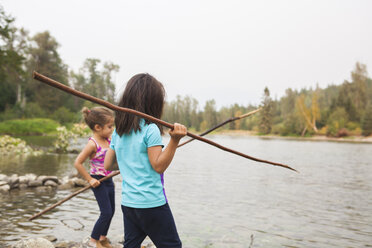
x: 160, y: 160
x: 88, y: 150
x: 110, y: 160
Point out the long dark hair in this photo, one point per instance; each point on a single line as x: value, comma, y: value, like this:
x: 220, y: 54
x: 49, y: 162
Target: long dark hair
x: 145, y: 94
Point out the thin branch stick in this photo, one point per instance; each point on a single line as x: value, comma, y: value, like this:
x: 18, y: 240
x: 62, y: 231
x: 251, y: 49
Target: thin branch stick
x: 222, y: 124
x: 69, y: 90
x: 112, y: 174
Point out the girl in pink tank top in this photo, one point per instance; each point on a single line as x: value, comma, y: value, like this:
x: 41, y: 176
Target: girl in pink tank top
x: 101, y: 121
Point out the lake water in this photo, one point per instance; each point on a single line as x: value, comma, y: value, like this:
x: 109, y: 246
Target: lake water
x: 222, y: 200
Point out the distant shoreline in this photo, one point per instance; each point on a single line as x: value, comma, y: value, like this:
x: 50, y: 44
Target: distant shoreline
x: 348, y: 139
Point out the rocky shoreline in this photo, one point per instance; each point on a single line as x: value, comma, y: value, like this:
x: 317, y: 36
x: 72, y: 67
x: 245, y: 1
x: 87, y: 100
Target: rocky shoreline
x: 44, y: 183
x: 51, y: 241
x: 39, y: 183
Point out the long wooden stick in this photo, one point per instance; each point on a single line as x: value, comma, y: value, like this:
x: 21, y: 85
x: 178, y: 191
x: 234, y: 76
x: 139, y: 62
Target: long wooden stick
x: 69, y: 90
x: 112, y: 174
x: 222, y: 124
x: 117, y: 172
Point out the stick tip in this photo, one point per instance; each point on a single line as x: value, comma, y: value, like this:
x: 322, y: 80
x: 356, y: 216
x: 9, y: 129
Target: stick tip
x: 34, y: 74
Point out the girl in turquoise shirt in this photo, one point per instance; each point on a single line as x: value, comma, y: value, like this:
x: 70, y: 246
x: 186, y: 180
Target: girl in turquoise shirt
x: 137, y: 147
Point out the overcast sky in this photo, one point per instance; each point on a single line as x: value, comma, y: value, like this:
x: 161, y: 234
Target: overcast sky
x: 223, y: 50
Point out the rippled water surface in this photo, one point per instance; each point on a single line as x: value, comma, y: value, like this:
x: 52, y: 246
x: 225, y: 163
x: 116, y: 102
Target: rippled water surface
x: 222, y: 200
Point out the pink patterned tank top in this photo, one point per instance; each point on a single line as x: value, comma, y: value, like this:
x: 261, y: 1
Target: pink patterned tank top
x: 96, y: 163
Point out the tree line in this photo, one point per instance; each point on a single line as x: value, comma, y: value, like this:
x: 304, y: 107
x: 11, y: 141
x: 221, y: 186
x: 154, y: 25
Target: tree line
x: 338, y: 110
x: 23, y: 97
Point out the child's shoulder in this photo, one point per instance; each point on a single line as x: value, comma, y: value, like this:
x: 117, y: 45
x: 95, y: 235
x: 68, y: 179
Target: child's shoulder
x: 151, y: 127
x: 90, y: 147
x: 92, y: 143
x: 151, y: 130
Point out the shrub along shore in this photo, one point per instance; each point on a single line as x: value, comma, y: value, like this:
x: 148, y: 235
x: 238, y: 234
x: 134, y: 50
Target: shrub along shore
x: 36, y: 126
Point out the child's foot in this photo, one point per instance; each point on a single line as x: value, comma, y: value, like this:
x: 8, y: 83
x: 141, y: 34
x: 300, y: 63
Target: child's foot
x: 105, y: 243
x: 95, y: 244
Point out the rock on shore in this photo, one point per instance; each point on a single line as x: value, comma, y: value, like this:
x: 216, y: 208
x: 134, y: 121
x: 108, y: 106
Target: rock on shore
x: 46, y: 242
x: 33, y: 243
x: 39, y: 183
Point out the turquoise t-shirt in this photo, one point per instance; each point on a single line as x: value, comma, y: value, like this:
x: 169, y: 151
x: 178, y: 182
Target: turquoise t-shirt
x: 142, y: 186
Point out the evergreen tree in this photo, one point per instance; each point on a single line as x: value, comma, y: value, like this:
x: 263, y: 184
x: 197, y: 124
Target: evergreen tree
x: 209, y: 115
x: 265, y: 124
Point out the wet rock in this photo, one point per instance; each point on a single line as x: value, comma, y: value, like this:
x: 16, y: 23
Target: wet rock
x: 4, y: 189
x: 62, y: 244
x: 23, y: 180
x: 51, y: 238
x: 67, y: 185
x: 14, y: 186
x: 35, y: 183
x: 31, y: 176
x: 31, y: 180
x: 26, y: 178
x: 3, y: 245
x: 51, y: 183
x: 23, y: 186
x: 42, y: 189
x: 33, y: 243
x: 13, y: 180
x: 79, y: 182
x: 63, y: 181
x: 3, y: 177
x: 41, y: 178
x: 50, y: 178
x: 70, y: 244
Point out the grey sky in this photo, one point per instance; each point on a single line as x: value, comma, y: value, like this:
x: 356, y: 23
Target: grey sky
x: 225, y: 50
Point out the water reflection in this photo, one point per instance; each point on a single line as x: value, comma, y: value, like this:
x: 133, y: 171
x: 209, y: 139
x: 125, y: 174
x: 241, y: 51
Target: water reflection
x: 221, y: 200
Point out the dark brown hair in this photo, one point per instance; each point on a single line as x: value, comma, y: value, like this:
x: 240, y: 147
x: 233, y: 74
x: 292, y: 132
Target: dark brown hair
x: 97, y: 115
x: 145, y: 94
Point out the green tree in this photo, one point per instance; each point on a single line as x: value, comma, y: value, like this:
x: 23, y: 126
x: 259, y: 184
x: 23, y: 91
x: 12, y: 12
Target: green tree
x: 353, y: 95
x: 337, y: 121
x: 98, y: 83
x: 367, y: 122
x: 11, y: 60
x: 265, y: 124
x: 359, y: 78
x: 44, y: 58
x: 210, y: 114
